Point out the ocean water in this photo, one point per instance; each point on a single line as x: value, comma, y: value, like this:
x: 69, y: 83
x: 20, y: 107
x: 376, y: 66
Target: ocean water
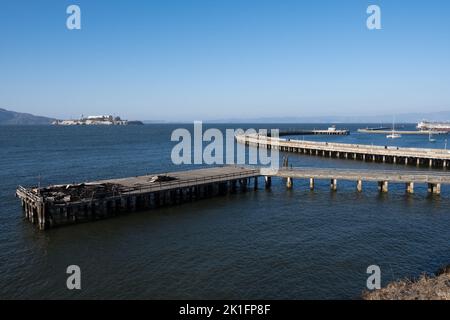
x: 267, y: 244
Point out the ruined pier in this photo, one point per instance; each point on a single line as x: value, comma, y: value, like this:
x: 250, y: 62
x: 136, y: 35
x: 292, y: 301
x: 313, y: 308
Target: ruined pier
x: 73, y: 203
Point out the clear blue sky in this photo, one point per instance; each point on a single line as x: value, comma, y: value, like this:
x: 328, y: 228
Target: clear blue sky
x: 213, y: 59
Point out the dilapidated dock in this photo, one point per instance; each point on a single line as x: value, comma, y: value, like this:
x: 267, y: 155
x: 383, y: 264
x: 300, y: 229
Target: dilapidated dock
x: 58, y: 205
x: 73, y: 203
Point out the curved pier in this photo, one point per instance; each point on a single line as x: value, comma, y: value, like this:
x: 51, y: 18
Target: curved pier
x: 433, y: 158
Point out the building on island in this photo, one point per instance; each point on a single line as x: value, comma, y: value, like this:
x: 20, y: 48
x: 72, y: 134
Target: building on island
x: 96, y: 120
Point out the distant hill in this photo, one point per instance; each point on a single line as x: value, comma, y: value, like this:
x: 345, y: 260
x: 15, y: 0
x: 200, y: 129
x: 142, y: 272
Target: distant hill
x: 10, y: 118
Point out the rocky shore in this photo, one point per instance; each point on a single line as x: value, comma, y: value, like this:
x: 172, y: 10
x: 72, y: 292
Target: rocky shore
x: 435, y: 287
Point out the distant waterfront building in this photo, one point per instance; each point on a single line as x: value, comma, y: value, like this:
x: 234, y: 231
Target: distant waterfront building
x: 433, y: 126
x: 96, y: 120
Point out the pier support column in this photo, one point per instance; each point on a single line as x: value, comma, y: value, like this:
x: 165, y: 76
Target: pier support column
x: 311, y: 184
x: 444, y: 164
x: 333, y: 184
x: 383, y: 186
x: 132, y: 203
x: 434, y: 188
x: 289, y: 183
x: 364, y: 157
x: 406, y: 161
x: 359, y: 185
x: 243, y: 183
x: 394, y: 160
x: 431, y: 163
x: 418, y: 162
x: 384, y: 159
x: 41, y: 217
x: 268, y: 182
x: 410, y: 187
x: 437, y: 189
x: 255, y: 186
x: 233, y: 186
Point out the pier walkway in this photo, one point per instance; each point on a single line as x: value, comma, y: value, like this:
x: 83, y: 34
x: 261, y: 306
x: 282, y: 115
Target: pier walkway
x: 301, y: 132
x: 404, y: 132
x: 382, y: 177
x: 57, y: 205
x: 433, y: 158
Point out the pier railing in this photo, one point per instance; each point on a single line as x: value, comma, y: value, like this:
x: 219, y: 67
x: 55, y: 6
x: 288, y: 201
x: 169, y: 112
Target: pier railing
x: 163, y: 185
x: 26, y: 193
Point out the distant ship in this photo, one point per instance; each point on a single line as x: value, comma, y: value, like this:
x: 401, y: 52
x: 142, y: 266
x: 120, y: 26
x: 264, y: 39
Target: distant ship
x: 97, y: 120
x: 434, y: 126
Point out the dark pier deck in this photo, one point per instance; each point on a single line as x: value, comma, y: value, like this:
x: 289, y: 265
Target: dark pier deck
x: 66, y: 204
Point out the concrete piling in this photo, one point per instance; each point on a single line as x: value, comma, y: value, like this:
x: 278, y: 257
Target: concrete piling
x: 359, y: 185
x: 383, y: 186
x: 311, y: 184
x: 289, y: 183
x: 333, y: 184
x: 410, y: 187
x: 434, y: 188
x: 268, y: 182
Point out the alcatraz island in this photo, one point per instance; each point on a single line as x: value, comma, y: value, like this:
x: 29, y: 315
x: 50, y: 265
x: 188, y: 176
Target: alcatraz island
x: 108, y: 120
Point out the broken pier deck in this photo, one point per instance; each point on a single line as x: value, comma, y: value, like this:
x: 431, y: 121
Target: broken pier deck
x: 67, y: 204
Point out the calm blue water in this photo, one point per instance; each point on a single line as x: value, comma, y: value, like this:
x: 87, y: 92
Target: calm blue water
x: 265, y: 244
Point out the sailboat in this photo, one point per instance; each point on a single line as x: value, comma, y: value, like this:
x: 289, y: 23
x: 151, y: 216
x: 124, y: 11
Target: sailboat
x: 430, y: 137
x: 393, y: 135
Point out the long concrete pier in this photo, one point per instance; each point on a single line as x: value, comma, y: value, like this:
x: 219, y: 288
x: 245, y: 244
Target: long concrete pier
x: 434, y: 181
x: 301, y: 132
x: 58, y: 205
x: 433, y: 158
x: 404, y: 132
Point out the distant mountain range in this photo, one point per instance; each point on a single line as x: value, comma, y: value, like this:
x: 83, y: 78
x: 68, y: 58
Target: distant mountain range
x: 16, y: 118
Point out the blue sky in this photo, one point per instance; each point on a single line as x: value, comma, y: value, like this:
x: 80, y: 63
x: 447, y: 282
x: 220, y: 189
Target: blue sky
x: 215, y: 59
